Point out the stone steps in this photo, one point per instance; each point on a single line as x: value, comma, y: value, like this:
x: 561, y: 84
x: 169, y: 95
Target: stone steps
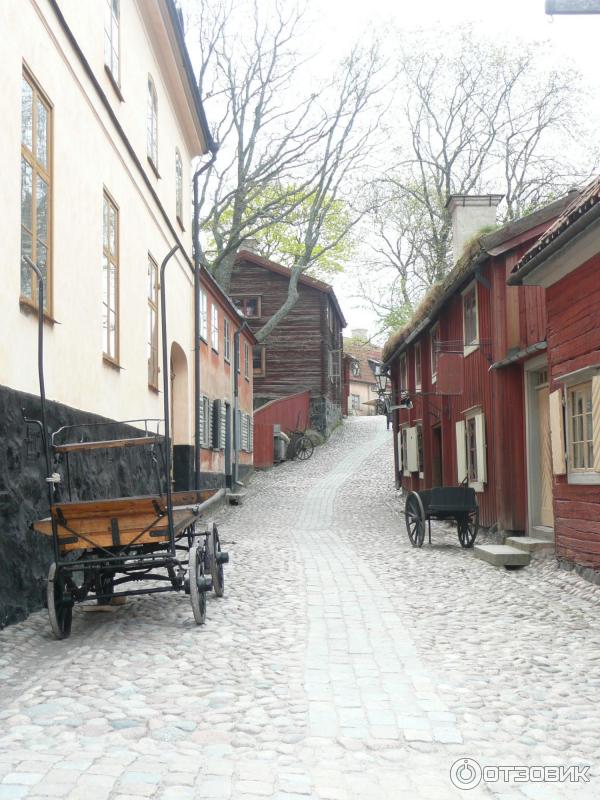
x: 530, y: 544
x: 502, y: 555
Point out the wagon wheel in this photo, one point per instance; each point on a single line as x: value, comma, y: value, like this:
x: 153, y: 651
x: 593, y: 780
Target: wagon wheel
x: 304, y: 448
x: 468, y: 526
x: 198, y: 583
x: 60, y: 602
x: 414, y: 515
x: 215, y: 558
x: 105, y: 588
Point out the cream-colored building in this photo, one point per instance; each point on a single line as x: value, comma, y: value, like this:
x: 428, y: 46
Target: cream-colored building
x: 100, y: 122
x: 363, y: 394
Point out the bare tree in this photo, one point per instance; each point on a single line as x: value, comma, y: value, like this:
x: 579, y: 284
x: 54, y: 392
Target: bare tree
x: 478, y: 116
x: 290, y: 149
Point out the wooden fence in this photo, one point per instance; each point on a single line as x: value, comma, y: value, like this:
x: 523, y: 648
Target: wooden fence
x: 288, y: 412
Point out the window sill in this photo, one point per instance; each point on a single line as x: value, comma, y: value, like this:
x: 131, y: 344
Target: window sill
x: 154, y: 167
x: 153, y: 389
x: 215, y: 350
x: 29, y: 308
x: 114, y: 83
x: 181, y: 225
x: 434, y: 378
x: 584, y: 478
x: 110, y: 362
x: 202, y: 339
x: 470, y: 348
x: 247, y: 378
x: 227, y: 360
x: 406, y: 474
x: 477, y: 485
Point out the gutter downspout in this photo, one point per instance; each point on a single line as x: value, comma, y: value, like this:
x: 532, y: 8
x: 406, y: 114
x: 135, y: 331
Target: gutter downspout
x: 236, y: 392
x: 197, y: 272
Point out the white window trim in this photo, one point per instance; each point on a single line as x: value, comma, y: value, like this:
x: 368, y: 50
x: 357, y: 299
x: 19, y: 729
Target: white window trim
x: 405, y: 472
x: 214, y: 328
x: 435, y: 328
x: 403, y: 373
x: 203, y: 316
x: 474, y: 413
x: 417, y: 354
x: 589, y: 477
x: 470, y: 348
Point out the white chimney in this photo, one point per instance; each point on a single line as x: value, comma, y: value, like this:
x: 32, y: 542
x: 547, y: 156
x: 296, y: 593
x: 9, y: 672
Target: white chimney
x: 470, y: 213
x: 251, y: 246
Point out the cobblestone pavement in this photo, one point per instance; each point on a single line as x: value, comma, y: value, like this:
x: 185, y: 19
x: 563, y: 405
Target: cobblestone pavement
x: 341, y: 664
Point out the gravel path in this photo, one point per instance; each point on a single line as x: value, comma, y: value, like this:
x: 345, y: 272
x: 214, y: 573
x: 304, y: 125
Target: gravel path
x: 342, y: 664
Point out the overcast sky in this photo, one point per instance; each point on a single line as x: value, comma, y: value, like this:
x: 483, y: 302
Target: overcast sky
x: 576, y: 38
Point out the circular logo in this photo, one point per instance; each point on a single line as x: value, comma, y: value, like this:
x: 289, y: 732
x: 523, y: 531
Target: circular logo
x: 465, y: 773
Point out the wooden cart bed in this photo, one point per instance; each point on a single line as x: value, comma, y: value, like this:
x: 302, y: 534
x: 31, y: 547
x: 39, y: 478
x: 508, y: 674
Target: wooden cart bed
x: 120, y: 522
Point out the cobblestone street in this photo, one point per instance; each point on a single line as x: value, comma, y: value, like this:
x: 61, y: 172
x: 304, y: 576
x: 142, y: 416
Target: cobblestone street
x: 341, y: 664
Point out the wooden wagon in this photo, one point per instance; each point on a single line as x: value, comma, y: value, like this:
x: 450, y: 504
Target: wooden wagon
x: 103, y: 546
x: 457, y: 503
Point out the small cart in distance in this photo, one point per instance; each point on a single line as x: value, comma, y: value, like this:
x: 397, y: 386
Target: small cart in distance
x: 458, y: 503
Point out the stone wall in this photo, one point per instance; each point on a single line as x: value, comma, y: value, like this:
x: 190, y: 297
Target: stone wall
x: 121, y: 472
x: 324, y: 415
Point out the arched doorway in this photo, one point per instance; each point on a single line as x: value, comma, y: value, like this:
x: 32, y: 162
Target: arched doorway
x: 180, y: 419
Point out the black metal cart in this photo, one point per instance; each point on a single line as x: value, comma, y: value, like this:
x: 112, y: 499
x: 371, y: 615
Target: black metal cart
x: 102, y: 546
x: 458, y: 503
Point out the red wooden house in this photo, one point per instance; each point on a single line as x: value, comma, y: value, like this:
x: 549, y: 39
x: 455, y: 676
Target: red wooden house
x: 471, y: 365
x: 566, y: 263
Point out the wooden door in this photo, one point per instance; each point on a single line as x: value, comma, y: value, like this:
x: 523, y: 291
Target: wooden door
x: 546, y: 515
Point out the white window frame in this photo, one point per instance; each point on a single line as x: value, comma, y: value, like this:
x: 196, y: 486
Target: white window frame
x: 214, y: 331
x: 355, y: 402
x: 471, y: 346
x: 246, y: 361
x: 203, y: 316
x: 418, y: 363
x: 226, y: 340
x: 206, y: 420
x: 583, y: 377
x: 403, y: 373
x: 152, y: 123
x: 421, y: 460
x: 434, y: 338
x: 112, y: 32
x: 404, y: 451
x: 476, y: 417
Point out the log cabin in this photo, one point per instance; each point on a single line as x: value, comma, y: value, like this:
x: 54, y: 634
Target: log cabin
x: 304, y: 351
x: 565, y: 263
x: 470, y: 367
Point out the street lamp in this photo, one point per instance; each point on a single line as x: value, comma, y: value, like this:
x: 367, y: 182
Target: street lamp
x: 381, y: 378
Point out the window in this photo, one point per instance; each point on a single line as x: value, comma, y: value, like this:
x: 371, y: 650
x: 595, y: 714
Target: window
x: 246, y: 361
x: 203, y: 316
x: 152, y: 336
x: 471, y: 450
x: 434, y: 339
x: 355, y: 369
x: 110, y: 280
x: 249, y: 307
x: 35, y: 190
x: 152, y: 124
x: 205, y: 421
x: 236, y: 340
x: 355, y: 402
x: 420, y: 460
x: 403, y: 375
x: 470, y: 323
x: 179, y: 186
x: 226, y: 340
x: 581, y: 435
x: 258, y: 359
x: 111, y: 39
x: 404, y: 450
x: 334, y: 366
x: 418, y: 367
x: 214, y: 334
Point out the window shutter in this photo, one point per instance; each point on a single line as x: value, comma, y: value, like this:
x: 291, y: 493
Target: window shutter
x: 251, y: 433
x: 412, y: 451
x: 461, y: 454
x: 481, y: 448
x: 209, y: 429
x: 557, y: 433
x: 216, y: 423
x: 201, y: 421
x: 222, y: 426
x: 596, y: 420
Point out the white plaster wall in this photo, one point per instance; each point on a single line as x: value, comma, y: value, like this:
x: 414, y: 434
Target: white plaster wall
x: 87, y: 156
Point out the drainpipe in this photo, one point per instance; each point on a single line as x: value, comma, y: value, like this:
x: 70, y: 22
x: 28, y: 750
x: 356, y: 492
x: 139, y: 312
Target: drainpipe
x: 197, y: 273
x: 236, y: 404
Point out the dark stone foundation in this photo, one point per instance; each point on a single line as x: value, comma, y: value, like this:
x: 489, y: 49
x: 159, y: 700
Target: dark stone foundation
x: 122, y: 472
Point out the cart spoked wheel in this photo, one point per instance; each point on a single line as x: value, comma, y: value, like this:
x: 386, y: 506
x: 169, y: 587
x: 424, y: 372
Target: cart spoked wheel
x: 414, y: 515
x: 199, y: 583
x: 468, y: 527
x: 60, y: 602
x: 304, y: 448
x: 216, y: 558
